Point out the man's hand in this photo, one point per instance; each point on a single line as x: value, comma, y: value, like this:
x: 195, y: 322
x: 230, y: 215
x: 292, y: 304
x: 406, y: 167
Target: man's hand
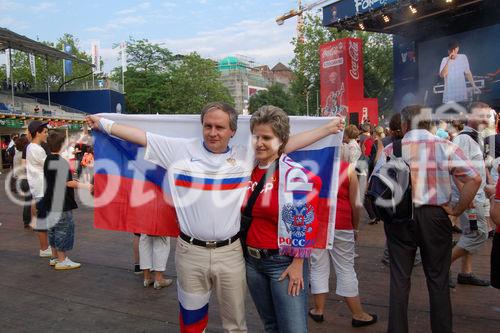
x: 490, y: 190
x: 93, y: 121
x: 450, y: 210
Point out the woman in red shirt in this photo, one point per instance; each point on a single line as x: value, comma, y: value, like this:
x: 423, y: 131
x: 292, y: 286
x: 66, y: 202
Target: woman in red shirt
x: 277, y: 278
x: 342, y: 254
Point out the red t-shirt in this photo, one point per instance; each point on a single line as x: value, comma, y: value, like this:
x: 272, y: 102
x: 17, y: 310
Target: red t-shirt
x: 368, y: 144
x: 497, y: 201
x: 343, y: 220
x: 263, y: 232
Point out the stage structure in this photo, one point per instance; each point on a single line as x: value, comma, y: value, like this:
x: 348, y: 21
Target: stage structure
x: 423, y: 32
x: 342, y: 82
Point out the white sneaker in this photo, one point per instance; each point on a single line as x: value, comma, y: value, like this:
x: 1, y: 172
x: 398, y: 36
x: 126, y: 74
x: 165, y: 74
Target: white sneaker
x: 47, y: 253
x: 53, y: 261
x: 67, y: 264
x: 163, y: 283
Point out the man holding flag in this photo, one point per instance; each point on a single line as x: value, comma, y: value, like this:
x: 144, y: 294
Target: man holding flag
x: 208, y: 180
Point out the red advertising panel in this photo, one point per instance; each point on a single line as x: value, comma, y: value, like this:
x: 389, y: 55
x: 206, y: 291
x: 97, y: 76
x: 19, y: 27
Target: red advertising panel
x: 342, y: 81
x: 333, y: 78
x: 354, y: 67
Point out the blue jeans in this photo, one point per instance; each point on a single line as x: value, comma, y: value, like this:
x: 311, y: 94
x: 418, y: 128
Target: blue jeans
x: 280, y: 312
x: 62, y: 234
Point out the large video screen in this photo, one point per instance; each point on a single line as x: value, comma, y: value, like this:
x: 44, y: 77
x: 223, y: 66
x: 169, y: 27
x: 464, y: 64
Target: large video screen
x: 478, y: 53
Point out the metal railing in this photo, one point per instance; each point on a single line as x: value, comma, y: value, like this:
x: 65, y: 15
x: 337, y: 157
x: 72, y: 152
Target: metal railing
x: 27, y: 105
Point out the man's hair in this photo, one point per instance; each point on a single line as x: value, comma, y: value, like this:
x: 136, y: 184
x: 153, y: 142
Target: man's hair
x: 55, y: 141
x: 413, y: 113
x: 395, y: 122
x: 276, y: 118
x: 351, y: 132
x: 39, y: 130
x: 366, y: 127
x: 453, y: 45
x: 21, y: 143
x: 233, y: 115
x: 478, y: 105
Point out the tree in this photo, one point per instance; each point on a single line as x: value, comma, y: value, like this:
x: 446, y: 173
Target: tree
x: 377, y: 55
x: 275, y: 95
x: 157, y: 81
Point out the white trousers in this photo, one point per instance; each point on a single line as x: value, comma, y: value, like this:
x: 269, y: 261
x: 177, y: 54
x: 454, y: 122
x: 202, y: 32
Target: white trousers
x: 342, y: 256
x: 153, y: 252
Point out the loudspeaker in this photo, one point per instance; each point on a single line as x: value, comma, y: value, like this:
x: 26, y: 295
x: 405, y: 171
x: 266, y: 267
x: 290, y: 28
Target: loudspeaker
x: 354, y: 119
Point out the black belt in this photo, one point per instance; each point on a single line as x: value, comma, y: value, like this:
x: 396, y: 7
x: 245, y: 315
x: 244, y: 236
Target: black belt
x: 208, y: 244
x: 261, y: 253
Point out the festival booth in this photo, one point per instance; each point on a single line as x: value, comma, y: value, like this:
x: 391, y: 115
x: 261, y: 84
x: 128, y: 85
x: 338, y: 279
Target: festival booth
x: 342, y: 82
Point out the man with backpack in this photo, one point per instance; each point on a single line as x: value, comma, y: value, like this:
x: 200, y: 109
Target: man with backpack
x: 432, y: 166
x: 473, y: 221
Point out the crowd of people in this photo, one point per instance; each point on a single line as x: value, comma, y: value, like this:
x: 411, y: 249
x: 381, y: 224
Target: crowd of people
x: 19, y: 86
x: 39, y: 158
x: 228, y: 249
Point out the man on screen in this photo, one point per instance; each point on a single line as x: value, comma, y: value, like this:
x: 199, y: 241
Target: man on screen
x: 453, y: 70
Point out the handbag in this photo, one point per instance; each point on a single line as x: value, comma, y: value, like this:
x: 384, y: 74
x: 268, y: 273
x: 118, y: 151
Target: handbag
x: 246, y: 215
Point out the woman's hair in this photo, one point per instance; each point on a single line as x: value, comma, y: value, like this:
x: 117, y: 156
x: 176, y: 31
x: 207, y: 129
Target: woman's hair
x: 276, y: 118
x: 21, y: 143
x: 379, y: 131
x: 55, y: 141
x: 351, y: 132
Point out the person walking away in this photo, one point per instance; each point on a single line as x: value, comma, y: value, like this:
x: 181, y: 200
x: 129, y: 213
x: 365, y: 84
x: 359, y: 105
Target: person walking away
x: 434, y: 165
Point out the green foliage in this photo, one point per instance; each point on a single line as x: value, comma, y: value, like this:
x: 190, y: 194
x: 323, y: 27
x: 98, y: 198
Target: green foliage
x: 377, y: 55
x: 275, y: 95
x: 156, y: 81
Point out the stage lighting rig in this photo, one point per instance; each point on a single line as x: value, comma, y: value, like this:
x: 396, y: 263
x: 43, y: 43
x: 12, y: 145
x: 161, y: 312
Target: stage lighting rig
x: 361, y: 26
x: 413, y: 10
x: 386, y: 18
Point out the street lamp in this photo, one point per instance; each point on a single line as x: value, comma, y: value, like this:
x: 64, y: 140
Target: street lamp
x: 307, y: 98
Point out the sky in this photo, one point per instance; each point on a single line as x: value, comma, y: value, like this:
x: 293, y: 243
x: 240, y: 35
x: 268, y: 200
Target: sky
x: 213, y: 28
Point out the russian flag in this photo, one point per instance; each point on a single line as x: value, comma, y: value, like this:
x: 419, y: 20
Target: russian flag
x: 133, y: 195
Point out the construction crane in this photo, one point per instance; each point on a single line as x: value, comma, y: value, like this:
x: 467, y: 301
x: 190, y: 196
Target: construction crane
x: 300, y: 19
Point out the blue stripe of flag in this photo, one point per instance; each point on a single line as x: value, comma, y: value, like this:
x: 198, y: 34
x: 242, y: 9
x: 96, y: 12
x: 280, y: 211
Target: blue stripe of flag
x: 193, y: 316
x: 210, y: 181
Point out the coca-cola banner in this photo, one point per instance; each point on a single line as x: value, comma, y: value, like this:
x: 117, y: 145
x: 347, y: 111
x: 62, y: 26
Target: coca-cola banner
x: 341, y: 74
x: 342, y: 80
x: 333, y: 78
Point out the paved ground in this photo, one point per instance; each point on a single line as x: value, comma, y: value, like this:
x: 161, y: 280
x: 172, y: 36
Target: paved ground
x: 105, y: 296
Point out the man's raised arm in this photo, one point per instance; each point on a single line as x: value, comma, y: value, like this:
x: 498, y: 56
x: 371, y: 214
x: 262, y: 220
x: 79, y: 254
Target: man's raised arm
x: 125, y: 132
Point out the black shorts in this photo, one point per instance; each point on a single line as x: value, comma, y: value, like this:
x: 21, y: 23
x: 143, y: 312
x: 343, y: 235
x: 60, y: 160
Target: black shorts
x: 495, y: 261
x: 41, y: 214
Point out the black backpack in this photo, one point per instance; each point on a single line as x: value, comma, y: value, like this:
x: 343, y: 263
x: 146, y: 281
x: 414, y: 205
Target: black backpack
x: 389, y: 189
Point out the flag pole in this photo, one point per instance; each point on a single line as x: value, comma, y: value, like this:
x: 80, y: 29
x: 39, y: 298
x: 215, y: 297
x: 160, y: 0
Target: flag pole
x: 11, y: 76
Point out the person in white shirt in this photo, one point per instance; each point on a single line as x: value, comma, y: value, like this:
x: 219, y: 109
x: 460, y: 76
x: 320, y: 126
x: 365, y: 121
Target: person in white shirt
x: 209, y: 180
x: 473, y: 222
x: 454, y: 68
x: 35, y: 158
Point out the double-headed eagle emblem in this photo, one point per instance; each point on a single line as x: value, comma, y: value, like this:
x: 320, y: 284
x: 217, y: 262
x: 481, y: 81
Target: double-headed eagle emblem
x: 298, y: 218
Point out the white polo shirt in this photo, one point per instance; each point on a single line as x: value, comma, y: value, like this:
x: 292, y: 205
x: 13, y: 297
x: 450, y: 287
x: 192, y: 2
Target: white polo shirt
x: 35, y: 158
x: 207, y: 189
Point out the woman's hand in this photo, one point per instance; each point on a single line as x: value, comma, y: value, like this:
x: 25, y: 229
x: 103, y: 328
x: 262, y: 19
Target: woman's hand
x: 336, y: 125
x: 295, y: 276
